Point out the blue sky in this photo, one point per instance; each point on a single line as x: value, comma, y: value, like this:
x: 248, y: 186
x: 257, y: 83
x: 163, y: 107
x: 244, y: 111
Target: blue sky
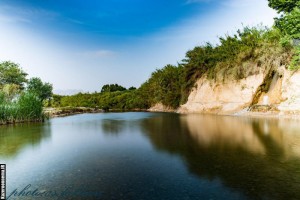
x: 81, y: 45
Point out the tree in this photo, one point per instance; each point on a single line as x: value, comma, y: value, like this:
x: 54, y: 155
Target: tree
x: 289, y: 21
x: 112, y: 88
x: 284, y: 5
x: 132, y: 88
x: 164, y: 86
x: 11, y: 73
x: 289, y: 24
x: 42, y: 90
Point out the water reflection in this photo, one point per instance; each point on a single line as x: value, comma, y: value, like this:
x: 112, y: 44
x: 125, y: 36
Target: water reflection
x: 157, y: 156
x: 113, y: 127
x: 254, y: 156
x: 15, y: 138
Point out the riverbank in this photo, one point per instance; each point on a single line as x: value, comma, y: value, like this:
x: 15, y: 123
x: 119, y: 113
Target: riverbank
x: 257, y: 111
x: 67, y: 111
x: 262, y: 112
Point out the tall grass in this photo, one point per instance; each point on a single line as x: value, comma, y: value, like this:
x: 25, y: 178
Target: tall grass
x: 27, y: 107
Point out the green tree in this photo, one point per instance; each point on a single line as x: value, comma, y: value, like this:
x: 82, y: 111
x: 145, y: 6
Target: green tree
x: 112, y: 88
x: 11, y: 73
x: 37, y: 87
x: 289, y: 24
x: 289, y: 21
x: 284, y: 5
x: 164, y: 86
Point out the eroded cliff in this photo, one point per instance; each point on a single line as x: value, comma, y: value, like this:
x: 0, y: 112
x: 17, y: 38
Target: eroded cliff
x: 274, y: 89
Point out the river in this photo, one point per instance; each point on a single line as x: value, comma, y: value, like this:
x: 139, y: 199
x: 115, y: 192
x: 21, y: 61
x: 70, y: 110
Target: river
x: 140, y: 155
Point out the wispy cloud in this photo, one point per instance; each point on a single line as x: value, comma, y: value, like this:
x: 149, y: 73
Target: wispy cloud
x: 15, y: 14
x: 13, y: 19
x: 240, y: 3
x: 102, y: 53
x: 76, y: 21
x: 197, y: 1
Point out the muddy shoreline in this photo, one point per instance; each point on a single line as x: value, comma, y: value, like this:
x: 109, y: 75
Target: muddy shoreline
x: 68, y: 111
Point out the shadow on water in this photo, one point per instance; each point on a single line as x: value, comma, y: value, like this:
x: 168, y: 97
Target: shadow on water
x: 15, y: 138
x: 258, y: 157
x: 113, y: 127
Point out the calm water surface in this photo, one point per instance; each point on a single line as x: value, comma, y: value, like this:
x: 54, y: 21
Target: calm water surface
x: 152, y: 156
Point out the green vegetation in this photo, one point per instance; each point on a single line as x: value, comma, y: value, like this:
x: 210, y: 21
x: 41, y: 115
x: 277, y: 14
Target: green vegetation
x: 11, y: 73
x: 119, y: 100
x: 289, y: 25
x: 289, y: 21
x: 27, y: 107
x: 18, y: 103
x: 112, y: 88
x: 164, y: 86
x: 42, y: 90
x: 237, y: 56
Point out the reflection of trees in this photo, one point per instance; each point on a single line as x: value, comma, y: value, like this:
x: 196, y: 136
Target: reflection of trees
x: 243, y: 153
x: 274, y: 150
x: 14, y: 138
x: 113, y: 127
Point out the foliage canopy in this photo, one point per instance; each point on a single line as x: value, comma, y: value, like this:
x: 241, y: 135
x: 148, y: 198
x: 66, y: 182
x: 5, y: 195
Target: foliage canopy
x: 112, y: 88
x: 11, y: 73
x: 284, y: 5
x: 40, y: 89
x: 289, y: 21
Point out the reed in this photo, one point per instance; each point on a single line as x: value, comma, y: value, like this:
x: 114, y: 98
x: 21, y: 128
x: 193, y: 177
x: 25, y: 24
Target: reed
x: 27, y: 107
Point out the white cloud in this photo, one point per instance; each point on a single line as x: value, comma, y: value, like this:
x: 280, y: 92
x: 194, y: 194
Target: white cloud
x: 101, y: 53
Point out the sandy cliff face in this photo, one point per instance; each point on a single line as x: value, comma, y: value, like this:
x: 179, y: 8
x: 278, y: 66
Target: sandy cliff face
x: 279, y: 88
x: 213, y: 97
